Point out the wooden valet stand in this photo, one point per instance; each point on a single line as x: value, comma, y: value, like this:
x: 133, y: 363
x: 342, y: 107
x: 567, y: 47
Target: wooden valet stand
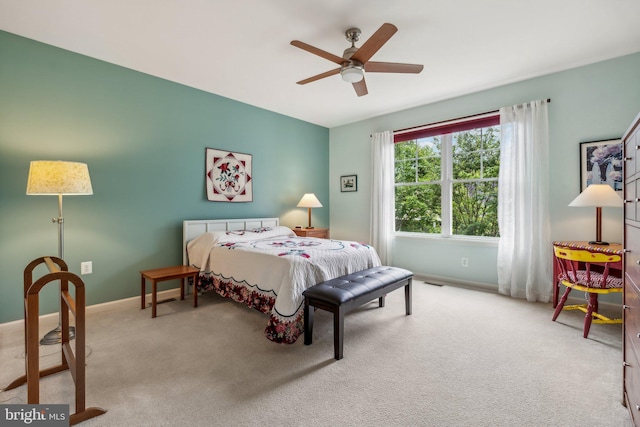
x: 75, y: 363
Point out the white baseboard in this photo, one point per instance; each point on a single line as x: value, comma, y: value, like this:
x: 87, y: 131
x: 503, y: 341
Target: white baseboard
x: 447, y: 281
x: 493, y: 288
x: 134, y: 301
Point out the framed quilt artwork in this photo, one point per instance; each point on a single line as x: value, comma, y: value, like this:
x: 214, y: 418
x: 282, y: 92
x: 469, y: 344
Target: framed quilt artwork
x: 228, y: 176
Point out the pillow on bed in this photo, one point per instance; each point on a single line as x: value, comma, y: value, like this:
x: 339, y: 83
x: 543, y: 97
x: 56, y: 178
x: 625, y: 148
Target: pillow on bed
x: 251, y: 235
x: 198, y: 249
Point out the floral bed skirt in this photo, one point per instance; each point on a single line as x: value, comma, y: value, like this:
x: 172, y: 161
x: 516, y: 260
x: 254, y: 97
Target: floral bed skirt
x: 280, y: 329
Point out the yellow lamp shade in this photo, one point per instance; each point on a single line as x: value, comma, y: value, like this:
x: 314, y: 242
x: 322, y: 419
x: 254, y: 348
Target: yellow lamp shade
x: 54, y: 177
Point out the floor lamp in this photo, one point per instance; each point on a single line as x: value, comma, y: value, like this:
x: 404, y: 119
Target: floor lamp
x: 58, y: 178
x: 309, y: 200
x: 598, y: 196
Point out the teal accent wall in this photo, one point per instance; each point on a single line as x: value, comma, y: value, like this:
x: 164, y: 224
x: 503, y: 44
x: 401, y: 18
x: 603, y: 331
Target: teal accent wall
x: 588, y: 103
x: 144, y: 140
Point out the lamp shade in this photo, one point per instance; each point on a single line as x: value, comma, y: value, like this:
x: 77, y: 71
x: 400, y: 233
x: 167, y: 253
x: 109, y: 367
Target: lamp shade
x: 54, y: 177
x: 598, y: 195
x: 309, y: 200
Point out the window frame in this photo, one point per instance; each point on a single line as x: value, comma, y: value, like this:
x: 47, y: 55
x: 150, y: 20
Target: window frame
x: 444, y: 130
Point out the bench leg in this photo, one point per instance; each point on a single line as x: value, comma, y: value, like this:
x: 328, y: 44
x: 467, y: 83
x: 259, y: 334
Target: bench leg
x: 308, y: 322
x: 381, y: 301
x: 407, y: 297
x: 338, y: 333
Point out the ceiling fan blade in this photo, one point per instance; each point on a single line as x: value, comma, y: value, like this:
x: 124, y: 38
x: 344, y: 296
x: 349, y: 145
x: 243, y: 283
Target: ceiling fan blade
x: 361, y: 87
x: 392, y: 67
x: 321, y: 53
x: 375, y: 42
x: 319, y: 76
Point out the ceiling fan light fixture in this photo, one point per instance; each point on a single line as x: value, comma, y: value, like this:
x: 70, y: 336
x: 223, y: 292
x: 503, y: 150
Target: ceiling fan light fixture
x: 355, y: 60
x: 352, y: 74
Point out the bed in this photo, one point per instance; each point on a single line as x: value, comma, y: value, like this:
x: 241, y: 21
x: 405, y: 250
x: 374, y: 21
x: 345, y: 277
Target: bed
x: 259, y: 263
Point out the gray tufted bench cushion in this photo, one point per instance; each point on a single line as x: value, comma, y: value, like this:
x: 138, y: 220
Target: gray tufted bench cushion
x: 343, y: 294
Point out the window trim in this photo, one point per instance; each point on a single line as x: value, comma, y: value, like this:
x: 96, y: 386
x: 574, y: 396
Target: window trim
x: 450, y: 126
x: 444, y: 129
x: 471, y: 240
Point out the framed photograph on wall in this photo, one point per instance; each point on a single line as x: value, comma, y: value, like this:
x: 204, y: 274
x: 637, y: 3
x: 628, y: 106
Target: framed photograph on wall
x: 348, y: 183
x: 601, y: 163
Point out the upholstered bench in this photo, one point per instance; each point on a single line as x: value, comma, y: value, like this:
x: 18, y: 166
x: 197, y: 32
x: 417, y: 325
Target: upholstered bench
x: 345, y: 293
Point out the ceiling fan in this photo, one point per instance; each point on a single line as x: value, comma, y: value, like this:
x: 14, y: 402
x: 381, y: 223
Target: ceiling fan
x: 355, y: 60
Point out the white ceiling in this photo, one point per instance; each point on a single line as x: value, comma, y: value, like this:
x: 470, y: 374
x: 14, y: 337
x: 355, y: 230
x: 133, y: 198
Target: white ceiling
x: 240, y: 48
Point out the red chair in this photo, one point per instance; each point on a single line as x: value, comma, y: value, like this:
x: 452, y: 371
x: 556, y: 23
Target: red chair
x: 575, y: 272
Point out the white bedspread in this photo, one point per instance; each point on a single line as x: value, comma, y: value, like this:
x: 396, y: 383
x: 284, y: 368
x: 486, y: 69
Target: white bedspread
x: 277, y: 263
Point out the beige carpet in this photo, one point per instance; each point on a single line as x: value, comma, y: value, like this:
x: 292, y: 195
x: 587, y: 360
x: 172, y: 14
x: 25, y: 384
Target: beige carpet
x: 464, y: 358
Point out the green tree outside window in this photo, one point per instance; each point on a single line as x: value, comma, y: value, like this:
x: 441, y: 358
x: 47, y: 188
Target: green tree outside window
x: 472, y: 158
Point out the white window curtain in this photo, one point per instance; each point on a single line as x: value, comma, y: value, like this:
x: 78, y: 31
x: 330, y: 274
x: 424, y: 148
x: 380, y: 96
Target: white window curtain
x: 524, y: 257
x: 382, y: 194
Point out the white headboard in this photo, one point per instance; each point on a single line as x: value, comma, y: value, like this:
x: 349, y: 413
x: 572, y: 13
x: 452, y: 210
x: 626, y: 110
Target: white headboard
x: 194, y: 228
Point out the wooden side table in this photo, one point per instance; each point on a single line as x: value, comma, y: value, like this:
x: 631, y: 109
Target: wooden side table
x: 167, y: 273
x: 321, y: 233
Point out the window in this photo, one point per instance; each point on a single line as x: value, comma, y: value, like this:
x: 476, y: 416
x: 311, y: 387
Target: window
x: 446, y: 178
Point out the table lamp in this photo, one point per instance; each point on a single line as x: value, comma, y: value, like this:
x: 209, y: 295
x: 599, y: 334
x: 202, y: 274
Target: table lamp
x: 598, y: 196
x: 309, y: 200
x: 58, y: 178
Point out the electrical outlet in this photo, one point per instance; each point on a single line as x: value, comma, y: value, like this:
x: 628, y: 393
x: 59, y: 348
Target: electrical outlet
x: 464, y: 262
x: 86, y: 267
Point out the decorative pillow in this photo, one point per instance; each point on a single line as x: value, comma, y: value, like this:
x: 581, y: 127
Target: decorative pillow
x: 252, y: 235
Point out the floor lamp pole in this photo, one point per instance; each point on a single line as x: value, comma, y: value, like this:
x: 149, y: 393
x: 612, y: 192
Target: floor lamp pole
x: 55, y: 335
x: 60, y: 221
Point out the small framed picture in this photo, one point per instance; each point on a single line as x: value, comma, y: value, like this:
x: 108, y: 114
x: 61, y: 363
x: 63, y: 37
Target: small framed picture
x: 601, y: 163
x: 349, y: 183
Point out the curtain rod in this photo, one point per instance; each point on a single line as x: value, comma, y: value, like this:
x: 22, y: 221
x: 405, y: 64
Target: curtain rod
x: 450, y: 120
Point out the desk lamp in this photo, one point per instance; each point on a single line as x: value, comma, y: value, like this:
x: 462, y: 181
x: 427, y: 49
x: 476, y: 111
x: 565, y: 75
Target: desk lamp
x: 58, y: 178
x: 598, y: 196
x: 309, y: 200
